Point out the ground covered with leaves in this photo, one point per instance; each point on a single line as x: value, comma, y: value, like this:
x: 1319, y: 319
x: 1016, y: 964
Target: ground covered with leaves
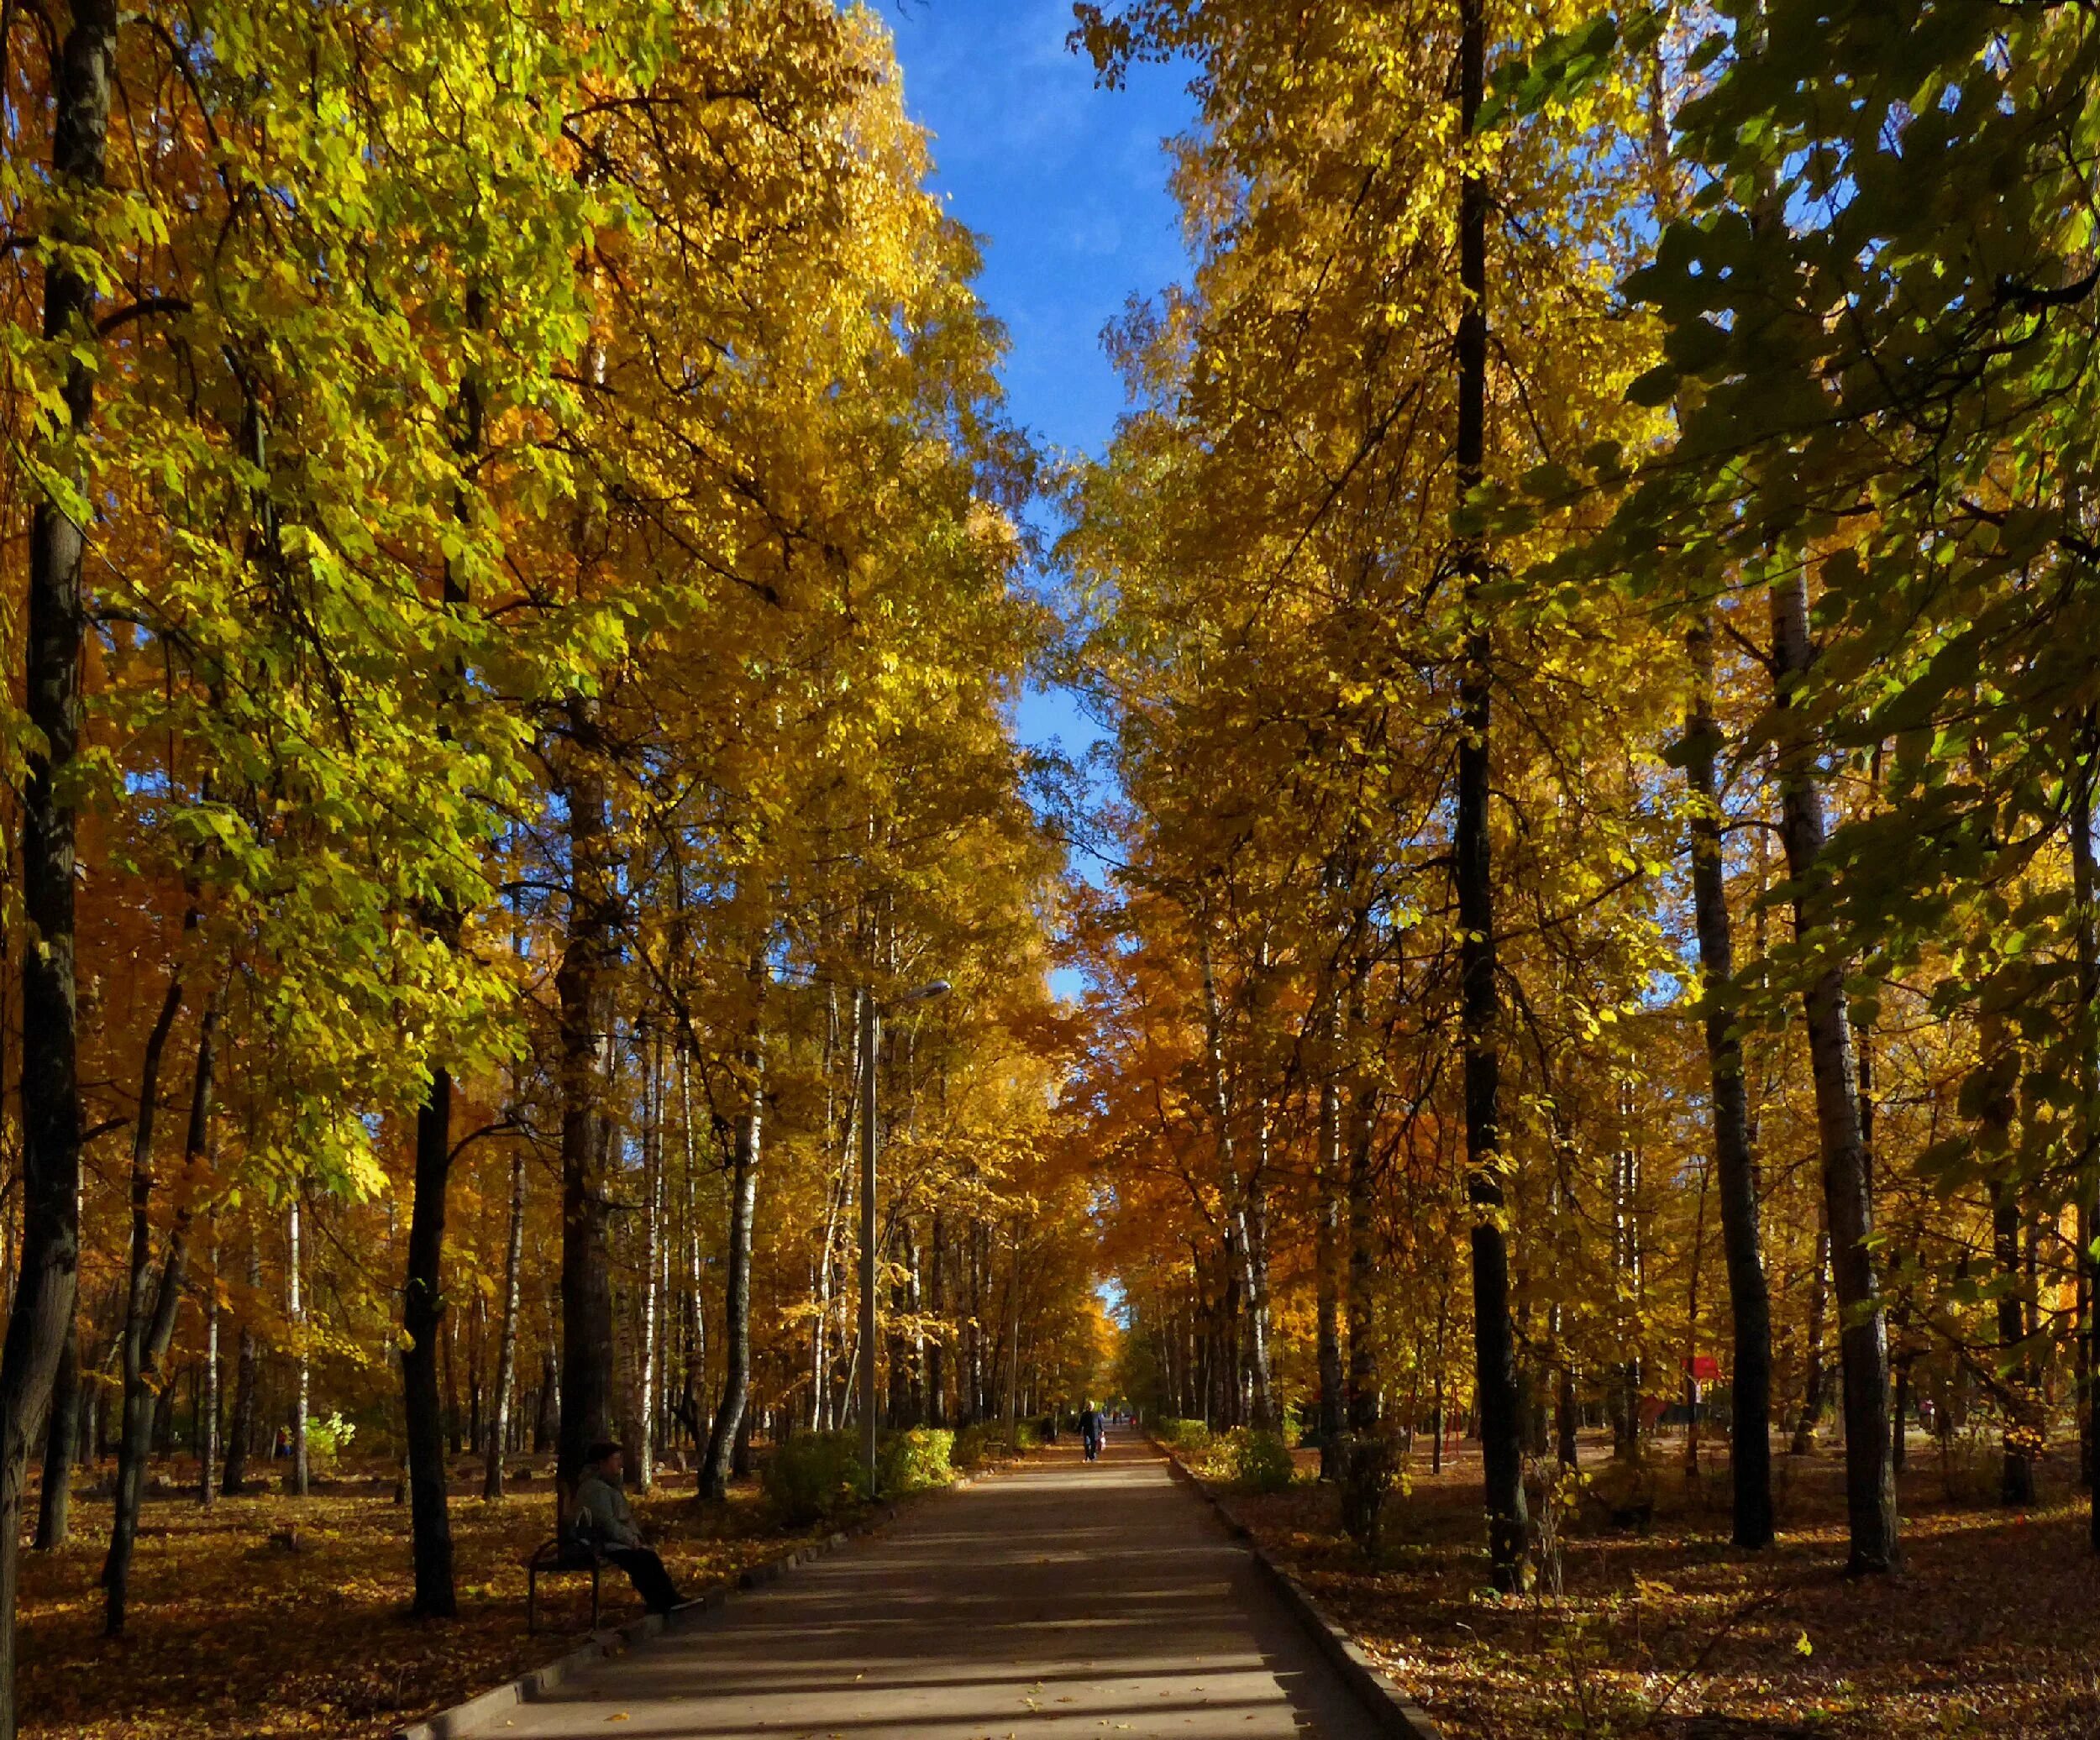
x: 1992, y: 1628
x: 232, y: 1633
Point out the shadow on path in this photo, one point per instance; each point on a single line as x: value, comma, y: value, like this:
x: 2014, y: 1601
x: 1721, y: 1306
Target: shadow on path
x: 1059, y: 1600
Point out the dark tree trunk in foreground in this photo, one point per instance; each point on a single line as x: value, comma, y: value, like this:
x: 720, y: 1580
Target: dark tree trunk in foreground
x: 423, y: 1323
x: 719, y: 1463
x: 42, y: 1316
x: 1495, y: 1338
x: 585, y: 1020
x: 1870, y: 1481
x: 1749, y: 1304
x: 149, y: 1327
x: 424, y: 1302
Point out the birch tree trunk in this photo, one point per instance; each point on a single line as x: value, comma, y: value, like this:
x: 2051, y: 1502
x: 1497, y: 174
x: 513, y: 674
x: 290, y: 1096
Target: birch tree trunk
x: 507, y: 1341
x: 209, y: 1403
x: 651, y: 1255
x: 1244, y: 1281
x: 295, y: 1300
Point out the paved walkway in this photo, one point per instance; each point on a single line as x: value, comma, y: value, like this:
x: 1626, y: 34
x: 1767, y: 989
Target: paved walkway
x: 1056, y: 1602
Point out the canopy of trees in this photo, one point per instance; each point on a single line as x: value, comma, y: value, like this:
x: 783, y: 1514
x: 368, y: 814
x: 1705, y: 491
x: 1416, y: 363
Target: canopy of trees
x: 1593, y: 600
x: 513, y: 581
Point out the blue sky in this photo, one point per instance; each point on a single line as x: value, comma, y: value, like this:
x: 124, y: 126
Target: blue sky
x: 1065, y: 186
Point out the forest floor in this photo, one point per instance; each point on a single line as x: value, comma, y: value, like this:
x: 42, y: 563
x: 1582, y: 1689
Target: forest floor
x: 1989, y: 1629
x: 231, y: 1634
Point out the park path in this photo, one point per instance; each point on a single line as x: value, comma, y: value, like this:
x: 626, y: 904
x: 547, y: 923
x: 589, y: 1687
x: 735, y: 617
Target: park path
x: 1056, y: 1601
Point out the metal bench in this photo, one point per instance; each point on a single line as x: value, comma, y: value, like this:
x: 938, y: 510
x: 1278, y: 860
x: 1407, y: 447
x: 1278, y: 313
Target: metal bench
x: 562, y: 1554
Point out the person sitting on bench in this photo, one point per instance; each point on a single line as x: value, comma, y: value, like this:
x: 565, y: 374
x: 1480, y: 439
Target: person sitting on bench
x: 602, y: 1520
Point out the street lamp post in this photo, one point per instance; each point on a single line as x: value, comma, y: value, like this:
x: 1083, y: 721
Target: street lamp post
x: 870, y: 1034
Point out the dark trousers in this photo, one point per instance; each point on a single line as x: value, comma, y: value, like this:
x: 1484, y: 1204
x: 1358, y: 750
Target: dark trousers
x: 651, y: 1581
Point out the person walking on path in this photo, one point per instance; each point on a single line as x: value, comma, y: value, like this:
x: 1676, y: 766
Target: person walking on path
x: 602, y: 1520
x: 1090, y: 1431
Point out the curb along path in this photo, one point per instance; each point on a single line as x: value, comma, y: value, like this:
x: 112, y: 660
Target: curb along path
x: 1402, y: 1717
x: 1056, y: 1601
x: 490, y: 1709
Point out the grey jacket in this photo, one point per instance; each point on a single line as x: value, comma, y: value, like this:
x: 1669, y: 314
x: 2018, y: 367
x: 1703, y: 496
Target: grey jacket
x: 602, y: 1516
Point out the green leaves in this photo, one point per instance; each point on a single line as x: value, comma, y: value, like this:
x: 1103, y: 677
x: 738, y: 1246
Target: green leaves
x: 1565, y: 66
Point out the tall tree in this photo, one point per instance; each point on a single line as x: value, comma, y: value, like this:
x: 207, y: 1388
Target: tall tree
x: 42, y: 1315
x: 1749, y: 1427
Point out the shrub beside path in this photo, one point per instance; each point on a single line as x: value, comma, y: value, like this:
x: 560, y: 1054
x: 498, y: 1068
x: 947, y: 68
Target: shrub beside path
x: 1059, y: 1601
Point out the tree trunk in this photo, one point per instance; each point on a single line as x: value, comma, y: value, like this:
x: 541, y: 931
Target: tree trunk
x: 586, y: 1287
x: 423, y: 1314
x: 936, y: 1404
x: 1749, y: 1301
x: 1566, y: 1418
x: 2088, y: 1072
x: 151, y: 1308
x: 134, y: 1443
x: 718, y: 1463
x: 242, y: 1426
x: 1863, y: 1332
x: 1363, y: 1206
x: 208, y: 1402
x: 1235, y: 1191
x: 1814, y: 1384
x: 2015, y: 1379
x: 295, y: 1299
x: 652, y: 1265
x: 507, y: 1338
x: 1494, y: 1343
x: 1899, y: 1415
x: 42, y: 1316
x: 547, y: 1416
x: 476, y: 1320
x: 60, y: 1436
x: 1327, y: 1256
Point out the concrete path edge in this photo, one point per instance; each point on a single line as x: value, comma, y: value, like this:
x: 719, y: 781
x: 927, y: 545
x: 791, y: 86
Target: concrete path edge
x: 1375, y: 1689
x: 473, y: 1715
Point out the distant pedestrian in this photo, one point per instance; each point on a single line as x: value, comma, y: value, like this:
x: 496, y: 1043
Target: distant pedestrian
x: 601, y: 1519
x: 1092, y: 1429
